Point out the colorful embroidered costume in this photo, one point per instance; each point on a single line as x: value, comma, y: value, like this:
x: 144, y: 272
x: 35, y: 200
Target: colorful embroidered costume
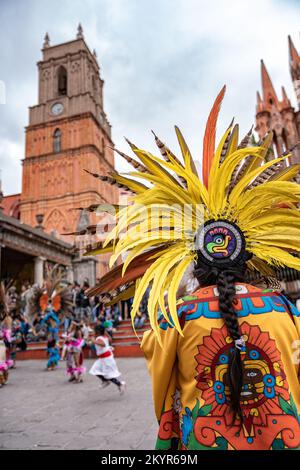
x: 51, y: 321
x: 53, y: 354
x: 189, y: 374
x: 5, y: 337
x: 55, y: 297
x: 223, y: 360
x: 3, y: 361
x: 72, y: 350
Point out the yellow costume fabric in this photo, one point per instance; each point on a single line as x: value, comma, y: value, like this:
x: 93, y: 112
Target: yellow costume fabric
x: 189, y: 374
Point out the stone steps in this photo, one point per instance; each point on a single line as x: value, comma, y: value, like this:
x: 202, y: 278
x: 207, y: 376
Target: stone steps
x: 125, y: 344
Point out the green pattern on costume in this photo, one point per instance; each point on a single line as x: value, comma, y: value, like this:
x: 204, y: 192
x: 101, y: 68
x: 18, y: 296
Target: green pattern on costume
x: 193, y: 444
x: 289, y: 408
x: 162, y: 444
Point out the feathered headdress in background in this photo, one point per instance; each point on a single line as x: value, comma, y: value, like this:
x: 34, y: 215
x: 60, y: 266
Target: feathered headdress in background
x: 249, y: 205
x: 55, y: 290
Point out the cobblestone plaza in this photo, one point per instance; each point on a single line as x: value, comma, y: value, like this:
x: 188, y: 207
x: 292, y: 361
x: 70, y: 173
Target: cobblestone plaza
x: 41, y: 410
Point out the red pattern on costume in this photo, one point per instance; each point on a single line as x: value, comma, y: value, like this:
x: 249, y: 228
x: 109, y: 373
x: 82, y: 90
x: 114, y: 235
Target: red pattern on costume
x: 264, y: 385
x: 168, y: 425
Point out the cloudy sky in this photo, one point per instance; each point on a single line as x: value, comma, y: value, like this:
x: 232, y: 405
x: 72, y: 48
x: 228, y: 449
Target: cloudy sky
x: 163, y: 62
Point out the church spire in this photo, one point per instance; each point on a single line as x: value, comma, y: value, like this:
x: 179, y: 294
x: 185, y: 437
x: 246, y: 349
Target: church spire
x: 46, y: 41
x: 269, y: 94
x: 79, y: 32
x: 259, y: 102
x: 285, y: 100
x: 294, y: 60
x: 294, y: 56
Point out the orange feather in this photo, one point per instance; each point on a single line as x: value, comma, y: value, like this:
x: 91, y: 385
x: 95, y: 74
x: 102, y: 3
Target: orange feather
x: 44, y: 301
x: 210, y: 136
x: 56, y: 303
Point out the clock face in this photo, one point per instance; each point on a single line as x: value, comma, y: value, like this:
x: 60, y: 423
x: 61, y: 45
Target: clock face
x: 57, y: 108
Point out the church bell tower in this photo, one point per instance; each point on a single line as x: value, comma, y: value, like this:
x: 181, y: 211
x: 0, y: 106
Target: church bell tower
x: 68, y: 132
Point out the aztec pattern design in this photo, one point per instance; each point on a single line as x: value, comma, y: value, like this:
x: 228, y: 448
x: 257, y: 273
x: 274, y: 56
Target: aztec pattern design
x: 249, y: 301
x: 220, y: 241
x: 271, y: 418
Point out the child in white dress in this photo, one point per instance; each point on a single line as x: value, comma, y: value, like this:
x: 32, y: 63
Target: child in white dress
x: 105, y: 366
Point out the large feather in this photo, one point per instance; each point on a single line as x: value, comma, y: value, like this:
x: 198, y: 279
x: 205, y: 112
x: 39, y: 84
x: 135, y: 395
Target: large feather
x: 246, y: 140
x: 266, y: 175
x: 230, y: 144
x: 287, y: 173
x: 98, y: 249
x: 226, y: 144
x: 164, y: 150
x: 119, y: 181
x: 113, y: 279
x: 138, y: 166
x: 124, y: 294
x: 210, y: 136
x: 239, y: 172
x: 100, y: 208
x: 187, y: 156
x: 89, y: 230
x: 153, y: 166
x: 266, y: 145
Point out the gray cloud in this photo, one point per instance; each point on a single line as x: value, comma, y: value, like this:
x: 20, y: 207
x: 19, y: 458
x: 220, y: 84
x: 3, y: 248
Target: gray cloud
x: 163, y: 62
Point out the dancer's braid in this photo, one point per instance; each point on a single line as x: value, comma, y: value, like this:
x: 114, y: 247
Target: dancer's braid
x: 226, y: 288
x: 225, y: 279
x: 225, y: 283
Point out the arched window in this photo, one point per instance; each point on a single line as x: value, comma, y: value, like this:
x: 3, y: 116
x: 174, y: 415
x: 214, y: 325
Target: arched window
x: 57, y: 141
x: 62, y: 81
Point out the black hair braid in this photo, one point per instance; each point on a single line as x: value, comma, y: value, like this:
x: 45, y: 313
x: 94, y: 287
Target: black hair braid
x: 225, y: 281
x: 235, y: 372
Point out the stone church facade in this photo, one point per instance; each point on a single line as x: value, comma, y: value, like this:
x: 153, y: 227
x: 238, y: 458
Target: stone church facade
x: 68, y: 132
x: 277, y: 113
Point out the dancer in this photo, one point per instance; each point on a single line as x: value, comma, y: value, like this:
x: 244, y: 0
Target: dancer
x: 72, y: 351
x: 105, y: 368
x: 51, y: 322
x: 5, y: 324
x: 6, y: 333
x: 53, y: 353
x: 53, y: 299
x: 223, y: 359
x: 3, y: 363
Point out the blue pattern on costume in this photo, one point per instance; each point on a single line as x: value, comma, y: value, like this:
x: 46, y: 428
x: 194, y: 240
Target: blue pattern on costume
x: 54, y: 356
x: 51, y: 330
x: 187, y: 426
x: 201, y: 308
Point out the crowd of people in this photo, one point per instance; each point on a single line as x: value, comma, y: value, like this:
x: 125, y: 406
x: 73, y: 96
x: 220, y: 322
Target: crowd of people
x: 86, y: 324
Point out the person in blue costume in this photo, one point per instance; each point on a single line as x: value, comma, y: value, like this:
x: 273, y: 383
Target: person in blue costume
x: 53, y: 354
x: 51, y: 321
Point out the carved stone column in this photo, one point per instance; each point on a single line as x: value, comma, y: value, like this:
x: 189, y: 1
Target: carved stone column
x: 39, y: 270
x: 70, y: 274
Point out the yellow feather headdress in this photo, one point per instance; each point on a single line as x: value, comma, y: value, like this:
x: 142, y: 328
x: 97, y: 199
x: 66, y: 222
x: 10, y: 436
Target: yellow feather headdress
x: 170, y: 202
